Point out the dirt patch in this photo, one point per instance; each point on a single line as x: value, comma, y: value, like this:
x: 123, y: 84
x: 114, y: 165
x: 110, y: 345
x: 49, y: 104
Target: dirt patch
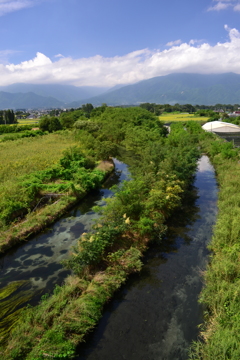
x: 107, y: 166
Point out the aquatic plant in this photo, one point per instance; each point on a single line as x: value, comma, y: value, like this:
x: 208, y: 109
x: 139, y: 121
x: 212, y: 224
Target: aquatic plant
x: 11, y: 298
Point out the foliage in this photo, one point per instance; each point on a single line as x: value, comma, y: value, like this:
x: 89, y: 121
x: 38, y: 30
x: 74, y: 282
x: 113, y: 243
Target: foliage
x: 7, y: 117
x: 68, y: 176
x: 21, y: 135
x: 50, y: 124
x: 67, y: 119
x: 220, y: 296
x: 162, y: 168
x: 6, y: 129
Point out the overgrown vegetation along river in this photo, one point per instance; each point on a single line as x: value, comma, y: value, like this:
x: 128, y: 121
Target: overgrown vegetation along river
x: 34, y: 268
x: 156, y: 314
x: 161, y: 173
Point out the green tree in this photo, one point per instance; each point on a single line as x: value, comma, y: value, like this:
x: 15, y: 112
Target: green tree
x: 54, y: 124
x: 87, y: 109
x: 44, y: 123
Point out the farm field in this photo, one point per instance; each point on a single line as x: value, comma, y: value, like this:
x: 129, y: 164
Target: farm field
x: 26, y: 155
x: 170, y: 117
x: 33, y: 122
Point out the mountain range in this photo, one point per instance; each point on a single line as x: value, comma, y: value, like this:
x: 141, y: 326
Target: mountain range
x: 63, y: 93
x: 176, y: 88
x: 170, y: 89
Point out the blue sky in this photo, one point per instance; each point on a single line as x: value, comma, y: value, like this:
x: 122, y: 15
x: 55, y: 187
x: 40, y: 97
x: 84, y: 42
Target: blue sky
x: 109, y: 42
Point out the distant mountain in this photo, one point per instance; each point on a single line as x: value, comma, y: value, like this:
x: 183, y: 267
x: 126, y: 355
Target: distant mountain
x: 27, y: 101
x: 169, y: 89
x: 175, y: 88
x: 64, y: 93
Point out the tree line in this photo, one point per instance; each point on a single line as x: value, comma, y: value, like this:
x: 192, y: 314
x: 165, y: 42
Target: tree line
x: 158, y: 109
x: 7, y: 117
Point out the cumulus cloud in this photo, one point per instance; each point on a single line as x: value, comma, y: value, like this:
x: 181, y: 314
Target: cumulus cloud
x: 138, y: 65
x: 7, y: 6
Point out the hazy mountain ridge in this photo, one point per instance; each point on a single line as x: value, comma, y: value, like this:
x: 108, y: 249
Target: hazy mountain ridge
x: 175, y: 88
x: 170, y: 89
x: 64, y: 93
x: 27, y: 101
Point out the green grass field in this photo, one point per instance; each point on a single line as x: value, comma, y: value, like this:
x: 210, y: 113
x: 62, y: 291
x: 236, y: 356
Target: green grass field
x: 170, y: 117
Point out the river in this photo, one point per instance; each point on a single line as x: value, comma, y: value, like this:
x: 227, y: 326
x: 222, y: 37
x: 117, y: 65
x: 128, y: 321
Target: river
x: 156, y: 314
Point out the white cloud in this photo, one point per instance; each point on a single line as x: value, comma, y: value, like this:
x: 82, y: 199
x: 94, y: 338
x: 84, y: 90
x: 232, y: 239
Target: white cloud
x: 138, y: 65
x: 220, y: 6
x: 237, y: 7
x: 225, y: 4
x: 7, y: 6
x: 59, y: 56
x: 4, y: 54
x: 172, y: 43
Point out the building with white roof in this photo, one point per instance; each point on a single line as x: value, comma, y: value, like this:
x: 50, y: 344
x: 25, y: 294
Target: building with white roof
x: 221, y: 127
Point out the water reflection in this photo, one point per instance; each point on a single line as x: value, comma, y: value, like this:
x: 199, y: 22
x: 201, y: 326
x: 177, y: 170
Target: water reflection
x: 155, y: 315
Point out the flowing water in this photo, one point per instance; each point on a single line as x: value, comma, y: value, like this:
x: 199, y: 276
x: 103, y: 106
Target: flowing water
x: 34, y: 267
x: 156, y: 314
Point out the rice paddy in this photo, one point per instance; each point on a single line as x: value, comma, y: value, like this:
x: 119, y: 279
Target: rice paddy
x: 170, y: 117
x: 33, y: 122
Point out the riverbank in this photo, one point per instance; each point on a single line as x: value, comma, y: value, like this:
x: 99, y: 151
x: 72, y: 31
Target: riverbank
x: 220, y: 332
x: 38, y: 220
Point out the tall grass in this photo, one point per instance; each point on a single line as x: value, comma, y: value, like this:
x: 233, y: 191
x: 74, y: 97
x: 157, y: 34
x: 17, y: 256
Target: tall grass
x: 220, y: 334
x: 26, y: 155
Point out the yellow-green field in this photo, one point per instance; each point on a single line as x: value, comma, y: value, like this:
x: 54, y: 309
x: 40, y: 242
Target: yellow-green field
x: 28, y: 121
x: 26, y: 155
x: 181, y: 117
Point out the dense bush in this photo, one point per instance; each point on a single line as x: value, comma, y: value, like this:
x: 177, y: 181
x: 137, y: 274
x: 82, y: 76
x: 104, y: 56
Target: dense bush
x: 21, y: 135
x: 6, y: 129
x: 50, y: 124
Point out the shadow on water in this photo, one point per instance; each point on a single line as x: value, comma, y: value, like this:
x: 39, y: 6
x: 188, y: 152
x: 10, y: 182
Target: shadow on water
x: 34, y: 268
x: 154, y: 316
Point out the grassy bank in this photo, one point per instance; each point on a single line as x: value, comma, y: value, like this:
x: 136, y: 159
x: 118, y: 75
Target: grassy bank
x: 136, y: 215
x: 41, y: 179
x: 221, y: 294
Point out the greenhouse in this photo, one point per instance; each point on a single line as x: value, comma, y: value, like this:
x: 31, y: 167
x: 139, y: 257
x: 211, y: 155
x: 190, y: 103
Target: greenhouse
x: 221, y: 127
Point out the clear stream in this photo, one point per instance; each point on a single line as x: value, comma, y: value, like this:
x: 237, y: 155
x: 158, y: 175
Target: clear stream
x: 38, y: 261
x: 155, y: 315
